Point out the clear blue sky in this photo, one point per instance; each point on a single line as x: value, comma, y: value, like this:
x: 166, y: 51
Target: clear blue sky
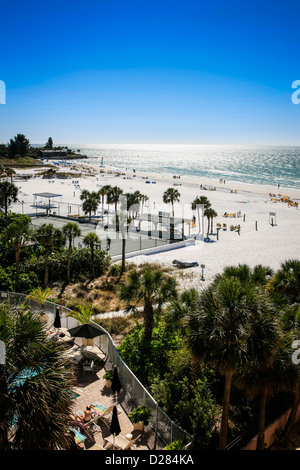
x: 131, y: 71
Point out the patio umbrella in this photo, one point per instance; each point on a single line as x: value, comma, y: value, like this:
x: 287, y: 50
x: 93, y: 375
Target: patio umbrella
x: 57, y: 322
x: 115, y: 383
x: 85, y: 331
x: 115, y: 425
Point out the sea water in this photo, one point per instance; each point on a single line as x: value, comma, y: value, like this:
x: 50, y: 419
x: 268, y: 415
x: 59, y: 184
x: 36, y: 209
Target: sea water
x: 270, y: 166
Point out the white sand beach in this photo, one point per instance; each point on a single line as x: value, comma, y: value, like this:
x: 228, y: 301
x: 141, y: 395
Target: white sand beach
x: 258, y: 242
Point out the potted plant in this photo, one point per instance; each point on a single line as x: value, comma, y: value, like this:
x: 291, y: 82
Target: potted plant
x: 108, y: 378
x: 140, y: 417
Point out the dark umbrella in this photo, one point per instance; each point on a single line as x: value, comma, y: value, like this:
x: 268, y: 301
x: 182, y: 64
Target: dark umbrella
x: 115, y: 383
x: 86, y: 331
x: 115, y: 425
x: 57, y: 323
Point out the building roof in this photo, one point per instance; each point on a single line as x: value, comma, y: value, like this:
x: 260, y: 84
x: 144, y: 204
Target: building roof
x: 48, y: 195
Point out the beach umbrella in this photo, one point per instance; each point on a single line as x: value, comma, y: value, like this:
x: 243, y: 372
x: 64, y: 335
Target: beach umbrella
x: 115, y: 383
x: 115, y: 425
x: 85, y: 331
x: 57, y: 322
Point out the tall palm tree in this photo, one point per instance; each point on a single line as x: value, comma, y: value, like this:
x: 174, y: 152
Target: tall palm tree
x: 218, y: 326
x: 18, y: 234
x: 149, y: 288
x: 48, y: 236
x: 103, y: 192
x: 34, y: 410
x: 170, y: 196
x: 213, y: 214
x: 269, y: 368
x: 290, y: 324
x: 143, y: 199
x: 90, y: 201
x: 10, y: 172
x: 208, y: 215
x: 114, y: 194
x: 71, y: 230
x: 90, y: 240
x: 8, y: 195
x: 199, y: 201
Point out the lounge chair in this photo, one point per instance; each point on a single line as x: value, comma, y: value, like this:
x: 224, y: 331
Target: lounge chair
x: 78, y: 436
x: 102, y: 412
x: 96, y: 447
x: 88, y: 367
x: 121, y: 442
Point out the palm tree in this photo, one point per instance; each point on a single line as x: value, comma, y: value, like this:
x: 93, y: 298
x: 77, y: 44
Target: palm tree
x: 199, y: 201
x: 10, y: 172
x: 48, y: 236
x: 40, y: 296
x: 71, y: 230
x: 219, y: 326
x: 90, y: 202
x: 82, y: 314
x: 143, y: 199
x: 286, y: 281
x: 34, y: 410
x: 171, y: 195
x: 103, y: 192
x: 257, y: 276
x: 208, y: 214
x: 18, y: 234
x: 149, y: 287
x: 90, y: 240
x: 269, y: 368
x: 213, y: 214
x: 290, y: 324
x: 8, y: 195
x: 114, y: 195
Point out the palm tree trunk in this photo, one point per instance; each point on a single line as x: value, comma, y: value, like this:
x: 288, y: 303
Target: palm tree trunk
x: 293, y: 414
x: 17, y: 256
x: 46, y: 266
x: 261, y: 421
x: 208, y: 227
x: 69, y: 259
x: 123, y: 254
x: 225, y: 413
x: 148, y: 321
x: 92, y: 259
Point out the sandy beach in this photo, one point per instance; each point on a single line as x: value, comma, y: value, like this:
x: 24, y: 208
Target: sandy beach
x: 258, y: 242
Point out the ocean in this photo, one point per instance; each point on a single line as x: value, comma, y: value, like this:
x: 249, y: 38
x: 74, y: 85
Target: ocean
x: 267, y: 166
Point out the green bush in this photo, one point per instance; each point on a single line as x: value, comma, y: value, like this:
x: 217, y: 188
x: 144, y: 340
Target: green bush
x: 141, y: 414
x: 178, y: 444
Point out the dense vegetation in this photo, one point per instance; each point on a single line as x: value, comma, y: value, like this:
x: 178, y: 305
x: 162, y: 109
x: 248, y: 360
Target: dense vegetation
x: 30, y: 258
x: 219, y: 361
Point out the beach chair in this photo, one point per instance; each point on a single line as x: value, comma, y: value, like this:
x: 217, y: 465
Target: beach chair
x: 79, y: 438
x: 96, y: 447
x: 88, y: 367
x: 102, y: 411
x: 224, y: 226
x: 121, y: 442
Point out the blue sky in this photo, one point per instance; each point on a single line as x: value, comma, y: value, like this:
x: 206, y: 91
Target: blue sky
x: 193, y: 71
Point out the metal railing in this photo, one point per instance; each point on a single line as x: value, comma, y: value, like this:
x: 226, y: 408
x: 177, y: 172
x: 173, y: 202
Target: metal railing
x: 165, y: 428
